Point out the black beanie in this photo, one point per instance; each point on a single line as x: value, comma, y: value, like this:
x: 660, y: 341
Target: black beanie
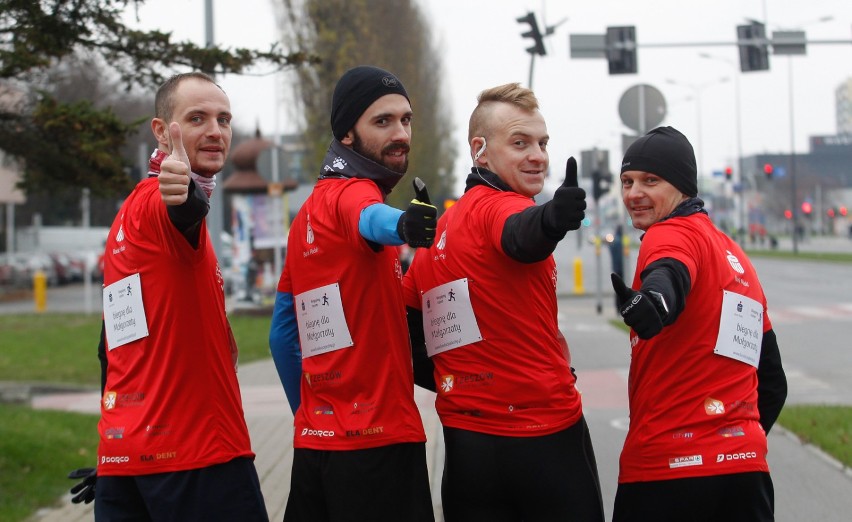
x: 356, y: 90
x: 667, y: 153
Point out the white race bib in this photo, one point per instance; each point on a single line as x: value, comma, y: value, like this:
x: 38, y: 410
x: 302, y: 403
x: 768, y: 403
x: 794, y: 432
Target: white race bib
x: 740, y: 328
x: 124, y: 313
x: 322, y: 325
x: 448, y: 318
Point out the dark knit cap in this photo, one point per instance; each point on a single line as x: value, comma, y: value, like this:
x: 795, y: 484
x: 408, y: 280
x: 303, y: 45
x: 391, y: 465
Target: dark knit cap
x: 667, y: 153
x: 356, y: 90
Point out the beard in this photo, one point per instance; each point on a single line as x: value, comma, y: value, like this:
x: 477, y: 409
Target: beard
x: 377, y: 154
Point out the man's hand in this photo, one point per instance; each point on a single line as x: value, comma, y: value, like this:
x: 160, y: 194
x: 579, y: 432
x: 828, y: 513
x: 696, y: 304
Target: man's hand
x: 567, y: 208
x: 644, y: 311
x: 84, y: 491
x: 416, y: 226
x: 174, y: 171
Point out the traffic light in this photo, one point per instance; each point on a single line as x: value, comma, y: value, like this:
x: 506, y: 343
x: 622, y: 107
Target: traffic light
x: 788, y: 214
x: 768, y: 169
x: 601, y: 183
x: 830, y: 213
x: 842, y: 210
x: 729, y: 173
x: 754, y: 55
x: 534, y: 33
x: 807, y: 208
x: 621, y: 50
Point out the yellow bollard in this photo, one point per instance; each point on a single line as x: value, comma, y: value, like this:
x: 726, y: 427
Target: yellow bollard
x: 40, y: 290
x: 578, y: 276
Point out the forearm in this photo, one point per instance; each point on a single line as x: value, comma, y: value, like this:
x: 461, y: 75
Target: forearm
x: 378, y: 224
x: 525, y: 238
x: 284, y: 347
x: 424, y: 368
x: 771, y: 382
x: 188, y: 216
x: 669, y: 278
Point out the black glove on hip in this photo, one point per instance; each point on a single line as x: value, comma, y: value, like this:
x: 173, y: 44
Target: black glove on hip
x: 567, y: 208
x: 84, y: 491
x: 644, y: 311
x: 416, y: 226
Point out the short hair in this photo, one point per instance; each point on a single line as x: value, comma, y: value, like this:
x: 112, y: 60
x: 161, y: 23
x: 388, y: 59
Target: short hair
x: 164, y: 100
x: 511, y: 93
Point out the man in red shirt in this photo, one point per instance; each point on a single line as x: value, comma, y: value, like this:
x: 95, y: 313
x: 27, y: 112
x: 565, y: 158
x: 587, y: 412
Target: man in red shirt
x: 706, y: 382
x: 339, y: 336
x: 174, y: 442
x: 484, y: 297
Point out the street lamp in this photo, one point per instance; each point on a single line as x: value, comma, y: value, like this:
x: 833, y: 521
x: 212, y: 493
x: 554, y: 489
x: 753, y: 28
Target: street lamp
x: 793, y: 198
x: 697, y: 88
x: 743, y: 215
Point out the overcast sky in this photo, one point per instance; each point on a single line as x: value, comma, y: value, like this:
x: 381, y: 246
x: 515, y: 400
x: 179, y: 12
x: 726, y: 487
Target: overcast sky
x: 481, y: 44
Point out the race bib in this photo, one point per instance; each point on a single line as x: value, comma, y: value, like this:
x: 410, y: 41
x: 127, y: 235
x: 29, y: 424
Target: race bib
x: 322, y: 325
x: 740, y: 328
x: 448, y: 318
x: 124, y: 313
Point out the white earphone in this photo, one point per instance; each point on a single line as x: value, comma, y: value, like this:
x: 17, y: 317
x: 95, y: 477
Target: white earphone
x: 480, y: 151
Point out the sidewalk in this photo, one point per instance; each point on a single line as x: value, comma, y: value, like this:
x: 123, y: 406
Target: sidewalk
x: 808, y: 484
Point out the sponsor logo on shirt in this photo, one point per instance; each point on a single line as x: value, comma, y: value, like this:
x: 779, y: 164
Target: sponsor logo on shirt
x: 116, y: 459
x: 683, y: 435
x: 747, y: 455
x: 164, y: 455
x: 363, y: 407
x: 117, y: 400
x: 683, y: 462
x: 323, y: 378
x: 447, y: 383
x: 157, y: 430
x: 114, y: 433
x: 324, y: 410
x: 374, y: 430
x: 307, y: 432
x: 732, y: 431
x: 713, y: 406
x: 735, y: 263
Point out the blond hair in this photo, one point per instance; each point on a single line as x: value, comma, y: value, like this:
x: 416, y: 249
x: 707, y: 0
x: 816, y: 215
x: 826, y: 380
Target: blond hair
x: 511, y: 93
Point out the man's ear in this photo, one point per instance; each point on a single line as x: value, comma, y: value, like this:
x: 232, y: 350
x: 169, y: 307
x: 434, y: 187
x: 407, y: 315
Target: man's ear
x: 348, y: 139
x: 161, y: 131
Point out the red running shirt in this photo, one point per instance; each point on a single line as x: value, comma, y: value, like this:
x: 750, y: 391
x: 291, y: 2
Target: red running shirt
x: 693, y: 413
x: 517, y: 380
x: 361, y: 396
x: 172, y: 400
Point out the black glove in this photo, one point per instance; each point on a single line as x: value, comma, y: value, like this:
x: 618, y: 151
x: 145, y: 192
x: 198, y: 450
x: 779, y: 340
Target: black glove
x: 416, y: 226
x: 84, y: 491
x: 566, y: 210
x: 644, y: 311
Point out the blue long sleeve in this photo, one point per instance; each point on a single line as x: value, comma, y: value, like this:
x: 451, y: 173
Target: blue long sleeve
x: 284, y: 346
x: 378, y: 224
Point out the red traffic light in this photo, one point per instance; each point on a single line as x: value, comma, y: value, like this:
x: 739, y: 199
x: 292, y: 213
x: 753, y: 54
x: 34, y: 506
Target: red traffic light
x: 842, y: 211
x: 729, y: 172
x: 807, y: 207
x: 788, y: 214
x: 768, y: 169
x: 830, y: 212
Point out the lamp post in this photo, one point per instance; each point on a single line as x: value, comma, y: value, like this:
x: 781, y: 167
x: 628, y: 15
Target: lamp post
x: 743, y: 225
x: 793, y: 199
x: 697, y: 89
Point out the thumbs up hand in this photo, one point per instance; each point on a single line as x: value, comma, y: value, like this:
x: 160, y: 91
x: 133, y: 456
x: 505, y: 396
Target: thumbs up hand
x: 567, y: 208
x: 416, y: 226
x: 174, y: 171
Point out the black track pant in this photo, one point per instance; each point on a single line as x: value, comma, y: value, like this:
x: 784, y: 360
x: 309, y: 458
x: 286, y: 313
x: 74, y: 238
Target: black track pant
x: 512, y: 479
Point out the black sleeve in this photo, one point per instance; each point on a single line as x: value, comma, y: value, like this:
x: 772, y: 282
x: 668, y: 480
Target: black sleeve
x: 102, y: 356
x: 771, y: 382
x: 187, y: 217
x: 424, y: 368
x: 670, y: 278
x: 524, y: 237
